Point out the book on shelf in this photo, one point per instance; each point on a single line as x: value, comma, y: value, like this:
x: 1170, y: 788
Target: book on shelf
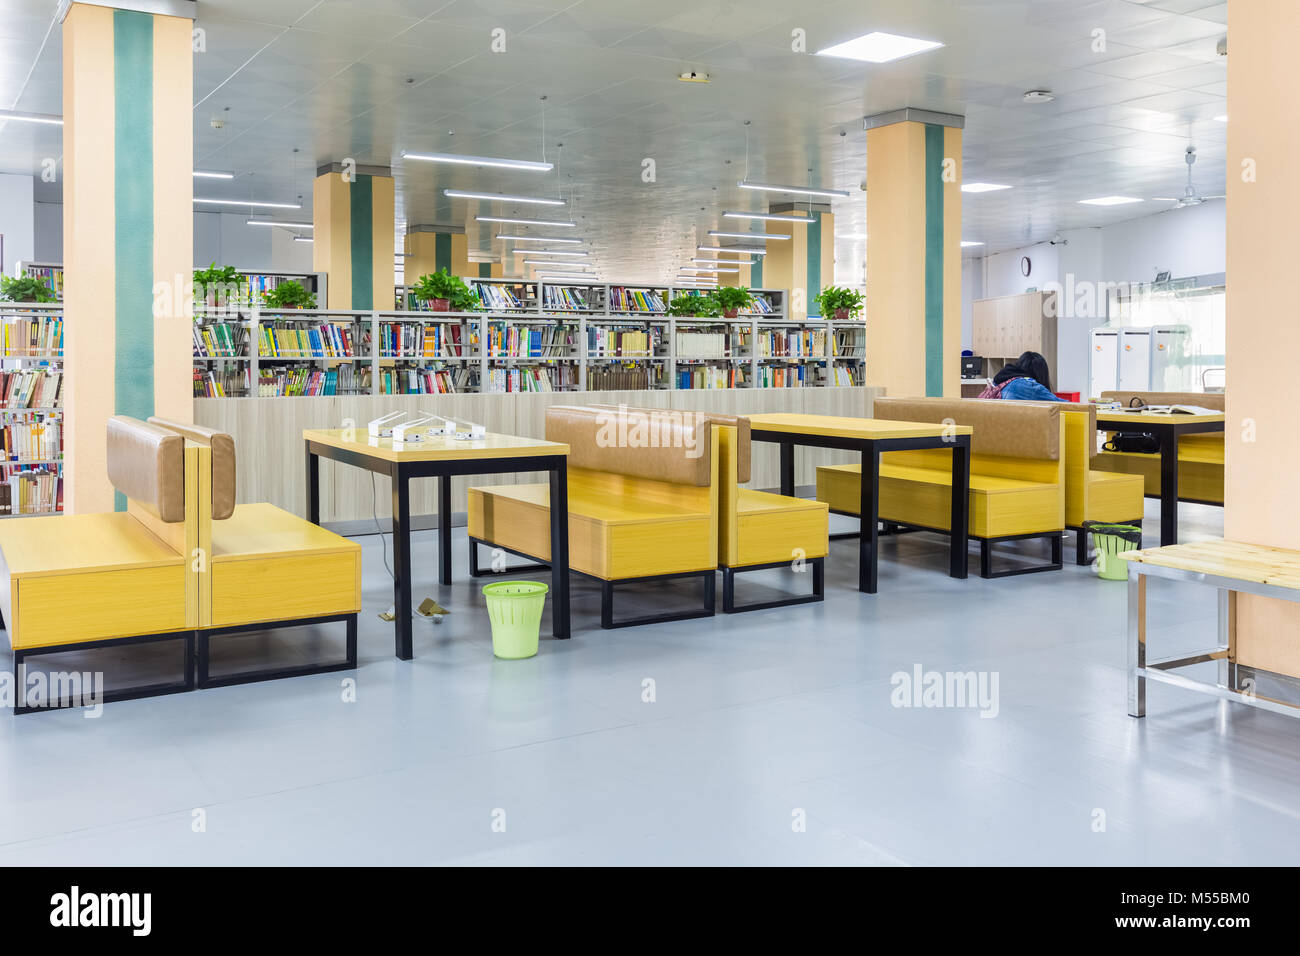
x: 428, y: 380
x: 760, y: 306
x: 842, y: 376
x: 567, y: 298
x: 850, y: 343
x: 782, y: 376
x: 31, y: 388
x: 712, y: 376
x: 534, y: 378
x: 621, y: 378
x: 300, y: 381
x: 220, y: 383
x: 35, y: 439
x: 326, y: 340
x: 50, y: 276
x: 615, y: 342
x: 220, y: 340
x: 30, y: 490
x: 40, y: 335
x: 495, y: 296
x: 712, y: 344
x: 515, y: 341
x: 623, y: 299
x: 792, y: 343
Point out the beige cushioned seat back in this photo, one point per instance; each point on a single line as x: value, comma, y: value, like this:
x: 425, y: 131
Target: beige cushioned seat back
x: 738, y: 422
x: 1001, y: 427
x: 147, y: 464
x: 1213, y: 400
x: 223, y: 461
x: 675, y: 450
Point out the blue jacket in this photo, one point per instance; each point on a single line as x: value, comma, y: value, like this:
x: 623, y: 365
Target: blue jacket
x: 1028, y: 390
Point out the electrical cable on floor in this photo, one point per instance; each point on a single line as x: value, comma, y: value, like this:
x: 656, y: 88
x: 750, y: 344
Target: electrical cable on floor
x: 374, y: 510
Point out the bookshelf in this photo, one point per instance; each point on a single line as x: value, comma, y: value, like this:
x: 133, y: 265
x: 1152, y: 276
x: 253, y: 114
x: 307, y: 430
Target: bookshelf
x: 50, y: 274
x: 563, y: 337
x: 31, y: 409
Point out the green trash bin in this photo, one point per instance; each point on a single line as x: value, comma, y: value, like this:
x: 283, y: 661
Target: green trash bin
x: 515, y: 609
x: 1111, y: 540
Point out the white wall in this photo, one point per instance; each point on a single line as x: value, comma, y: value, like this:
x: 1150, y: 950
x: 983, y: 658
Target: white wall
x: 17, y: 220
x: 49, y: 232
x: 1186, y: 242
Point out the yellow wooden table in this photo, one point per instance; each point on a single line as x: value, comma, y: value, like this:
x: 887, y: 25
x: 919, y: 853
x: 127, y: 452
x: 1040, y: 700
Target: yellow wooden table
x: 1167, y: 427
x: 1232, y: 567
x: 444, y: 457
x: 872, y: 437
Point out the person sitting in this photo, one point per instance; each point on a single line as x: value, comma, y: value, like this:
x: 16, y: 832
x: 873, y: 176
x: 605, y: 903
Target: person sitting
x: 1027, y: 379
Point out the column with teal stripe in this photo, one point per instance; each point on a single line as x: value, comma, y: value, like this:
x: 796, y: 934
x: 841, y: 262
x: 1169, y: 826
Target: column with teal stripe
x: 813, y: 249
x: 361, y: 199
x: 934, y: 254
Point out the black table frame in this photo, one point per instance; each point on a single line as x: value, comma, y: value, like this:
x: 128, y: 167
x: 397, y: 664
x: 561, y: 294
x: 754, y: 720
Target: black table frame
x: 1167, y: 434
x: 400, y: 473
x: 869, y: 509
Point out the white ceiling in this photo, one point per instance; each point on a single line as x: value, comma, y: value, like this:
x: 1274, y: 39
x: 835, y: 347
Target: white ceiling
x: 368, y: 80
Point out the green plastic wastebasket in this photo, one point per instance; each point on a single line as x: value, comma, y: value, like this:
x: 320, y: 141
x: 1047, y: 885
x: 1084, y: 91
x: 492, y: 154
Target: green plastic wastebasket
x: 1111, y: 539
x: 515, y: 609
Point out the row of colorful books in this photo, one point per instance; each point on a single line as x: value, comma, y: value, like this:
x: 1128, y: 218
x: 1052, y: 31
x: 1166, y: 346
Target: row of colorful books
x: 327, y: 340
x: 844, y: 375
x: 220, y: 340
x: 515, y: 341
x: 40, y: 336
x: 281, y: 382
x: 438, y: 340
x: 712, y: 376
x: 532, y: 379
x: 783, y: 376
x: 220, y: 383
x: 622, y: 299
x: 793, y: 343
x: 31, y: 388
x: 50, y: 276
x: 615, y: 342
x: 493, y: 295
x: 30, y: 491
x: 712, y: 344
x: 430, y: 380
x: 34, y: 440
x: 564, y: 298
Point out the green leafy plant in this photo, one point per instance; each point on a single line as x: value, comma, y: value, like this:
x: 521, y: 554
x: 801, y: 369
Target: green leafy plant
x: 217, y: 284
x: 24, y: 289
x: 289, y: 295
x: 447, y: 287
x: 704, y: 305
x: 732, y: 299
x: 833, y: 299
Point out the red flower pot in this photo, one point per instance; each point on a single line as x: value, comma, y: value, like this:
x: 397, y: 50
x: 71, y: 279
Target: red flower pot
x: 730, y: 313
x: 440, y: 305
x: 841, y: 313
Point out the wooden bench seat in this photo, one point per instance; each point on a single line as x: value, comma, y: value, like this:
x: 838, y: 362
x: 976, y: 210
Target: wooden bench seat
x: 1017, y: 479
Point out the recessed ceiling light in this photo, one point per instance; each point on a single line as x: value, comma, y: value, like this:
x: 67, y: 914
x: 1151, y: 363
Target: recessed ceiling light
x: 1039, y: 96
x: 1221, y: 119
x: 526, y: 222
x: 1109, y: 201
x: 537, y: 239
x: 755, y: 236
x: 481, y: 161
x: 766, y: 217
x: 212, y: 174
x: 249, y: 202
x: 497, y: 197
x: 730, y: 250
x: 802, y: 190
x: 879, y: 47
x: 967, y: 243
x: 302, y: 239
x: 286, y: 225
x: 982, y: 187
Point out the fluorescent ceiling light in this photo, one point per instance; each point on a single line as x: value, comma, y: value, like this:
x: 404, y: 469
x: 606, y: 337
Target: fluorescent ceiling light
x: 1108, y: 201
x: 536, y: 238
x: 212, y: 174
x: 982, y: 187
x: 250, y: 202
x: 802, y: 190
x: 551, y: 252
x: 551, y: 262
x: 766, y: 217
x: 1221, y: 119
x: 287, y: 225
x: 498, y: 197
x: 965, y: 243
x: 707, y: 269
x: 526, y: 222
x: 48, y: 119
x: 856, y: 236
x: 877, y: 47
x: 738, y: 250
x: 1164, y: 199
x: 481, y: 161
x: 302, y: 239
x: 756, y: 236
x: 738, y: 262
x: 570, y: 277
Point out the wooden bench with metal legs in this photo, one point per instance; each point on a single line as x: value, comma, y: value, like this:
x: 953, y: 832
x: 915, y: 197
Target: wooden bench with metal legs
x: 642, y: 508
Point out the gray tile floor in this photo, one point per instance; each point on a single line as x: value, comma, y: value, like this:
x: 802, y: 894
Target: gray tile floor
x: 771, y: 739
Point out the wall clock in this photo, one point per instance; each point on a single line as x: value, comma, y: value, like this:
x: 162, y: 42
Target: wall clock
x: 1025, y: 265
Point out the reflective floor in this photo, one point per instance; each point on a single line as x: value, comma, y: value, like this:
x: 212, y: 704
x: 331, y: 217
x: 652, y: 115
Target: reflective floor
x: 770, y: 737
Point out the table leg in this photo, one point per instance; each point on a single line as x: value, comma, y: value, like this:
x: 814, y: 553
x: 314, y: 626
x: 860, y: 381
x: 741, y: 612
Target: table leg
x: 444, y: 529
x: 787, y: 468
x: 402, y: 563
x: 560, y: 550
x: 960, y: 510
x: 1168, y: 487
x: 1136, y: 643
x: 869, y: 512
x: 313, y: 485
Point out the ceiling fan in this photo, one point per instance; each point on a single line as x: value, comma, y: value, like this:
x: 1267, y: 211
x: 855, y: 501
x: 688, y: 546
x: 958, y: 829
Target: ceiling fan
x: 1190, y: 196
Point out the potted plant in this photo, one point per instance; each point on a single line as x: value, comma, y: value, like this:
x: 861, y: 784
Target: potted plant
x: 24, y: 289
x: 217, y: 284
x: 703, y: 305
x: 732, y: 299
x: 839, y: 303
x: 445, y: 292
x: 289, y: 295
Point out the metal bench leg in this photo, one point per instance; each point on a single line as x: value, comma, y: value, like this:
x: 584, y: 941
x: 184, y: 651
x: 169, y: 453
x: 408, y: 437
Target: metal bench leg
x: 986, y: 558
x: 708, y: 582
x: 729, y: 606
x: 1135, y: 643
x: 1080, y: 547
